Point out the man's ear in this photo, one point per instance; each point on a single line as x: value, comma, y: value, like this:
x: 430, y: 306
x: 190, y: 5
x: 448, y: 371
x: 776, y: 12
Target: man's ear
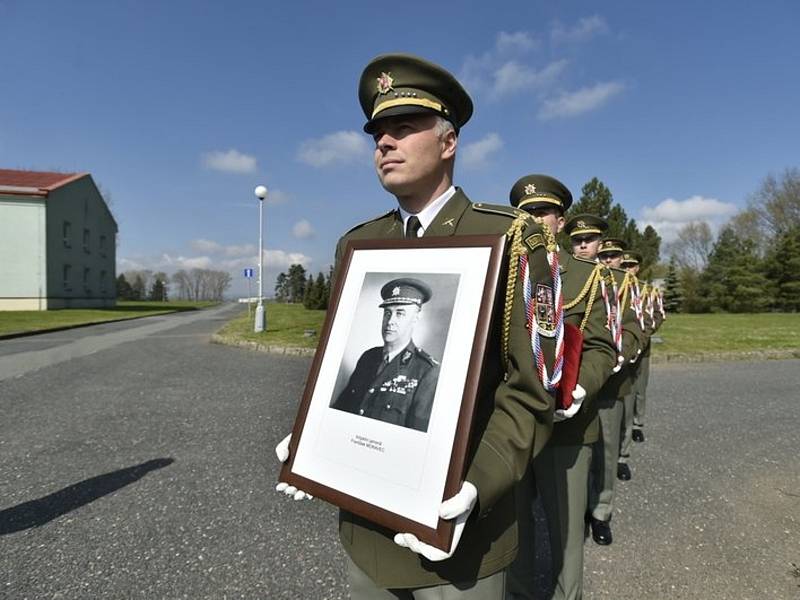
x: 449, y: 144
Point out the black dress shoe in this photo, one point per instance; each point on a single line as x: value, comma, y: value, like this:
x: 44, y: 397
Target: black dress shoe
x: 638, y: 435
x: 623, y: 472
x: 601, y: 531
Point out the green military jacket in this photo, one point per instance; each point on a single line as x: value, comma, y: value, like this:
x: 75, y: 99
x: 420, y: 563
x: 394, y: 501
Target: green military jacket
x: 599, y: 354
x: 513, y: 421
x: 634, y: 338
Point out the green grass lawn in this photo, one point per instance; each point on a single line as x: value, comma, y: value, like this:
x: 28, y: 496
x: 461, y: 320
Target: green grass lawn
x: 722, y: 333
x: 286, y: 324
x: 684, y: 335
x: 33, y: 320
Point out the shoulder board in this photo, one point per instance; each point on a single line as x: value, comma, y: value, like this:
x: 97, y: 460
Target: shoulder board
x: 424, y: 355
x: 373, y: 220
x: 498, y: 209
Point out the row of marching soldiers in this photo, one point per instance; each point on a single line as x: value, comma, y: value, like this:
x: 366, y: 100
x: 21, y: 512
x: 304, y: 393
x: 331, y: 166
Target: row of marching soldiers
x: 609, y: 315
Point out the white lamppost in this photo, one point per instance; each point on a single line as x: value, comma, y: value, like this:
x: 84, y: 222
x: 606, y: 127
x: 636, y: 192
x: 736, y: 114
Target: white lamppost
x: 260, y: 324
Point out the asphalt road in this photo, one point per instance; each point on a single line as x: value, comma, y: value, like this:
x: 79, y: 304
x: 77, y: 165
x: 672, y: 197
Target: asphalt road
x: 136, y: 462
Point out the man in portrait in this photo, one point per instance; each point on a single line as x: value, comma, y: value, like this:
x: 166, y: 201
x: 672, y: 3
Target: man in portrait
x: 396, y: 382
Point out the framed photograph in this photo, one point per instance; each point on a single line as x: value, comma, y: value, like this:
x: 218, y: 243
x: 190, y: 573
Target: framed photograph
x: 384, y: 423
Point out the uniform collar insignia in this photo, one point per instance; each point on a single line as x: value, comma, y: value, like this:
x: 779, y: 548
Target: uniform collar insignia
x: 449, y: 222
x: 406, y: 356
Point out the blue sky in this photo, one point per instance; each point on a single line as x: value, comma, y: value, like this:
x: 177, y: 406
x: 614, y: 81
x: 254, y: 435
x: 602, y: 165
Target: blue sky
x: 179, y: 109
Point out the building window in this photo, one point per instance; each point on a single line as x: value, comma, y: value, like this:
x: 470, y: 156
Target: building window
x: 102, y: 245
x: 66, y: 229
x: 67, y: 274
x: 86, y: 240
x: 86, y: 275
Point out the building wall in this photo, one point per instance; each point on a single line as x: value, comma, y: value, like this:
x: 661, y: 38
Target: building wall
x: 81, y: 247
x: 23, y: 270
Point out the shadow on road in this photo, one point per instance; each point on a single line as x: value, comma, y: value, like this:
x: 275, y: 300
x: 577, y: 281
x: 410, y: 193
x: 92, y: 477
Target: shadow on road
x: 42, y: 510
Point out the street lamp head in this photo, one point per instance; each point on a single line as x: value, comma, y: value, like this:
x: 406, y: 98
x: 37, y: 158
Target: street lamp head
x: 261, y: 192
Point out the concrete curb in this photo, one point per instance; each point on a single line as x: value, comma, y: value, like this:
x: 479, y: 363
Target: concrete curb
x: 754, y: 355
x: 249, y: 345
x: 654, y: 359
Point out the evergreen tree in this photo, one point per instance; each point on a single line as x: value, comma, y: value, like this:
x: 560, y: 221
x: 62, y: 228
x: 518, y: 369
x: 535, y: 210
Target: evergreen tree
x: 281, y: 288
x: 673, y: 291
x: 296, y: 283
x: 733, y: 280
x: 595, y: 199
x: 650, y: 247
x: 783, y: 270
x: 158, y: 292
x: 124, y: 290
x: 320, y: 294
x: 309, y: 295
x: 138, y: 289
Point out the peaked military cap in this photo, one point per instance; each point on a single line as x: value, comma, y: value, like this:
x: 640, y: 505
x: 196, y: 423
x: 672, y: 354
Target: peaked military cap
x: 631, y: 257
x: 405, y: 290
x: 585, y: 224
x: 540, y: 191
x: 611, y: 245
x: 402, y: 84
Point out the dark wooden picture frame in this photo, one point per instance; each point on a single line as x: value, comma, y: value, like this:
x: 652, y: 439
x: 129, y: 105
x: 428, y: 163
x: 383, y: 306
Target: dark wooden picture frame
x: 441, y: 535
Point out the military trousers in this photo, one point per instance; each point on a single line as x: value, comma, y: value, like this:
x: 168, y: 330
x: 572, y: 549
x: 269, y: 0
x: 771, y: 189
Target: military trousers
x: 640, y: 390
x: 605, y: 455
x: 626, y: 432
x: 562, y: 474
x: 362, y: 587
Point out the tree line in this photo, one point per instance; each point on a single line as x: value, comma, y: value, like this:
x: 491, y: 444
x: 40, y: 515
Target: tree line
x: 753, y: 263
x: 194, y: 285
x: 298, y: 286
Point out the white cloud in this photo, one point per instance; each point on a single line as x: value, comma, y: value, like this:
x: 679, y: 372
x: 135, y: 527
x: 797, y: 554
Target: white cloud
x: 571, y: 104
x: 231, y: 161
x: 512, y: 77
x: 519, y: 41
x: 205, y: 246
x: 670, y: 216
x: 477, y: 153
x: 302, y: 229
x: 342, y: 147
x: 583, y: 30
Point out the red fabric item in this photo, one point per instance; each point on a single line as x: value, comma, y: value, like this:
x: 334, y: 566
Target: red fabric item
x: 573, y: 345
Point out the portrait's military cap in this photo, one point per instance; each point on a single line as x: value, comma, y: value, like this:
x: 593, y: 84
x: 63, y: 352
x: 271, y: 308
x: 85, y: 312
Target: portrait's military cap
x: 540, y: 191
x: 611, y: 245
x: 631, y: 257
x: 585, y: 224
x: 405, y: 290
x: 402, y: 84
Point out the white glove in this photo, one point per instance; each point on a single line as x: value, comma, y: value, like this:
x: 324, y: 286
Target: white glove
x: 620, y: 361
x: 282, y: 450
x: 578, y: 394
x: 635, y: 358
x: 459, y: 508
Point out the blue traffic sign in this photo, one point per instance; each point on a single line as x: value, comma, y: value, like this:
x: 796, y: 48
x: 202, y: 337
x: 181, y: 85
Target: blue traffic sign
x: 249, y: 273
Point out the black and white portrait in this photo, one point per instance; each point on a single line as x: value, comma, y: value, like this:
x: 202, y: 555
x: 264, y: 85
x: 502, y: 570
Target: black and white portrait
x: 391, y: 365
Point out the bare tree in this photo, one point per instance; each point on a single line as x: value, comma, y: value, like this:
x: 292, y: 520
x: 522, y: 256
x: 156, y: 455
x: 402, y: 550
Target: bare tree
x: 777, y: 202
x: 182, y: 280
x: 693, y: 246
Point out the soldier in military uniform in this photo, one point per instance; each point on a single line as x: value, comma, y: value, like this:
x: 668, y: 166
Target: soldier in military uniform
x: 395, y: 382
x: 414, y: 111
x: 635, y: 402
x: 561, y: 471
x: 605, y: 456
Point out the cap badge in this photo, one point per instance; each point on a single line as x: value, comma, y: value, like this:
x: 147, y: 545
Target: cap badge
x: 530, y: 189
x: 385, y: 83
x: 580, y: 225
x: 396, y: 291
